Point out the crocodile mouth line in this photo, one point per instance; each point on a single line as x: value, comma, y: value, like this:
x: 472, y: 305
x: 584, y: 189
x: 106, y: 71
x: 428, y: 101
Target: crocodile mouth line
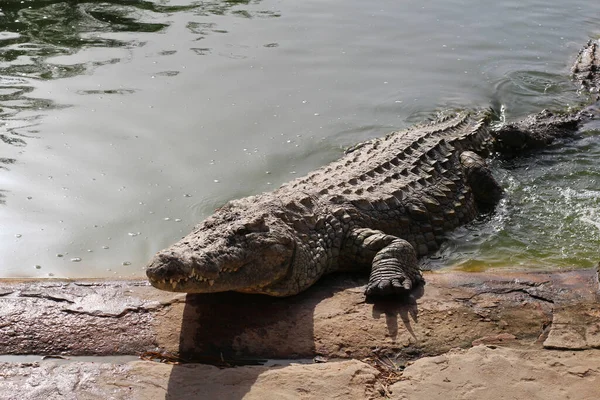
x: 195, y: 277
x: 176, y: 282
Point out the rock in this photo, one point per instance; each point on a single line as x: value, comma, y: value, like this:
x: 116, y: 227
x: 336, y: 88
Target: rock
x: 331, y: 319
x: 592, y: 335
x: 574, y: 327
x: 565, y: 338
x: 501, y: 338
x: 436, y: 327
x: 502, y: 373
x: 147, y: 380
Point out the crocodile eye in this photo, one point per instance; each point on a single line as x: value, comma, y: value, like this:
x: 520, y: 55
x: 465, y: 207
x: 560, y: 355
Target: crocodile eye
x: 242, y: 231
x: 255, y: 226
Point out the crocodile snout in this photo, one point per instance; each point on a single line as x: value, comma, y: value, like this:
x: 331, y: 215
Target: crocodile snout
x: 166, y: 267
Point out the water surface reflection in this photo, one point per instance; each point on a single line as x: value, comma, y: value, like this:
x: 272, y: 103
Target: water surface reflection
x: 122, y: 124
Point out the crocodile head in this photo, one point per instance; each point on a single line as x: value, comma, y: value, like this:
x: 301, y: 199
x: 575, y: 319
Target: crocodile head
x: 234, y: 250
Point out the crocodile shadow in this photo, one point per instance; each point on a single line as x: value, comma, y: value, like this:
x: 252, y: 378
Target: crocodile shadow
x: 406, y: 309
x: 234, y: 329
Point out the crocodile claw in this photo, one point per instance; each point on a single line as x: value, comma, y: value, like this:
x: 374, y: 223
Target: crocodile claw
x: 397, y: 285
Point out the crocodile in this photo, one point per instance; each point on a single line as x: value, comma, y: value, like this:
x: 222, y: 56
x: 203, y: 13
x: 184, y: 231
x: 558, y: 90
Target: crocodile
x: 384, y: 204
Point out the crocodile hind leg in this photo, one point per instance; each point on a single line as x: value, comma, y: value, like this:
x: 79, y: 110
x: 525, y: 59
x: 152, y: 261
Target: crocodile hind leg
x: 486, y: 190
x: 394, y: 261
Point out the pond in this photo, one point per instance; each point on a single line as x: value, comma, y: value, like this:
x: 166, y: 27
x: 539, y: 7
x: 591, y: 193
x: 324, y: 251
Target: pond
x: 125, y: 123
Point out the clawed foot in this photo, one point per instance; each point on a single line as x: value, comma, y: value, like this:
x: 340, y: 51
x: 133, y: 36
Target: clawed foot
x: 388, y: 286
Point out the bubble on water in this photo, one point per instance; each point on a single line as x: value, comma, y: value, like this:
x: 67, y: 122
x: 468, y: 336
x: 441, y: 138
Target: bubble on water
x: 38, y: 267
x: 18, y: 235
x: 177, y: 219
x: 187, y: 195
x: 126, y: 263
x: 132, y: 234
x: 105, y: 247
x: 216, y: 181
x: 90, y: 250
x: 59, y: 255
x: 76, y: 259
x: 167, y: 219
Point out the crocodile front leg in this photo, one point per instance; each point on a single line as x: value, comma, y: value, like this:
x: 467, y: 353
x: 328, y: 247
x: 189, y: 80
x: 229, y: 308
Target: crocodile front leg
x: 394, y: 261
x: 486, y: 190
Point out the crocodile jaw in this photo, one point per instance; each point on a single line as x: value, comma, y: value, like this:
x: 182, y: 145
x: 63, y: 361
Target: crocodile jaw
x: 248, y: 272
x: 167, y: 272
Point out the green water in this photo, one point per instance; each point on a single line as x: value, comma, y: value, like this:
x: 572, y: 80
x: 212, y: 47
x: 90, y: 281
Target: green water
x: 124, y: 123
x: 550, y: 217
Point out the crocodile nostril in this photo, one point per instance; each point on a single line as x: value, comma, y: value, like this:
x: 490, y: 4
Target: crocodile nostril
x: 165, y: 266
